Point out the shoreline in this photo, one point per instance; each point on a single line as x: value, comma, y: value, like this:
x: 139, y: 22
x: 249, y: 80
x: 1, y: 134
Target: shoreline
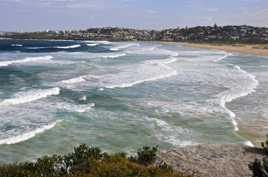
x: 212, y: 160
x: 245, y: 131
x: 249, y: 49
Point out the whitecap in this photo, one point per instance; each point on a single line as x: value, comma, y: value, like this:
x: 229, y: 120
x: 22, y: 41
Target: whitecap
x: 121, y: 47
x: 16, y: 45
x: 224, y: 57
x: 114, y: 55
x: 165, y: 71
x: 26, y: 60
x: 68, y: 47
x: 28, y: 135
x: 74, y: 107
x: 92, y: 45
x: 29, y: 96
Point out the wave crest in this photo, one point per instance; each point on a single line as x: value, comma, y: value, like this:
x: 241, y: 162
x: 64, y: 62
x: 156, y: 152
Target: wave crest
x: 29, y: 96
x: 28, y: 135
x: 26, y: 60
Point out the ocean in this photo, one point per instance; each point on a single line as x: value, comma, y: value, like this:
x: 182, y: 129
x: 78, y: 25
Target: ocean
x: 120, y: 96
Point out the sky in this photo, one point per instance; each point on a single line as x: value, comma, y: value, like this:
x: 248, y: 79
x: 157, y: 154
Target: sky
x: 36, y: 15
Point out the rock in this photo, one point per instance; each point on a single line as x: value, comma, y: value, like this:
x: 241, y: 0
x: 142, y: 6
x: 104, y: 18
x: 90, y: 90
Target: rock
x: 212, y: 160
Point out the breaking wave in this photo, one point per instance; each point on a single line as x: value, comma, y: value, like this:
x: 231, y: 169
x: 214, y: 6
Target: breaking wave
x: 92, y: 45
x: 114, y: 55
x: 68, y: 47
x: 162, y: 64
x: 74, y: 108
x: 28, y: 135
x: 153, y: 51
x: 172, y: 135
x: 29, y: 96
x: 99, y: 42
x: 16, y: 45
x: 222, y: 58
x: 26, y: 60
x: 121, y: 47
x: 237, y: 92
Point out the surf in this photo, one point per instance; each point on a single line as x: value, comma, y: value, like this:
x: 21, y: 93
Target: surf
x: 121, y: 47
x: 30, y: 96
x: 159, y: 63
x: 235, y: 93
x: 28, y: 135
x: 26, y: 60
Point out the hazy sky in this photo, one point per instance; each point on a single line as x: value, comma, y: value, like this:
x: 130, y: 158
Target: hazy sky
x: 30, y: 15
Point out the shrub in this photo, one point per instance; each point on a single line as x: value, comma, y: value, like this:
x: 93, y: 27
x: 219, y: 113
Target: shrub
x: 91, y: 162
x: 146, y: 155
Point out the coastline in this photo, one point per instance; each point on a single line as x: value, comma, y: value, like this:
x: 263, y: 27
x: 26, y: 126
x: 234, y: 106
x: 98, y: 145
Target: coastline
x: 249, y: 49
x: 212, y: 160
x: 245, y: 130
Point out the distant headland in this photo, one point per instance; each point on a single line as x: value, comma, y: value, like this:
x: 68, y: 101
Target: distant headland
x: 223, y: 34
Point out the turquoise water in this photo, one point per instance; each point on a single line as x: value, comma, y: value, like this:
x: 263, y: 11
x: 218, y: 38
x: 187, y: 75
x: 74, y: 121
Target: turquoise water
x: 55, y: 95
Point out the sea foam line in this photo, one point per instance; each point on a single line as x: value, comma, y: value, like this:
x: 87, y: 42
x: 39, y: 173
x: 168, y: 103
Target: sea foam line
x: 114, y: 55
x: 26, y: 60
x: 227, y: 98
x: 68, y: 47
x: 222, y: 58
x: 78, y: 79
x: 92, y: 45
x: 160, y: 63
x: 124, y: 47
x: 26, y: 136
x: 29, y: 96
x: 16, y: 45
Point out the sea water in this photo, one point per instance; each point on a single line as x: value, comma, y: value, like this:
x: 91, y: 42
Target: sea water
x: 120, y: 96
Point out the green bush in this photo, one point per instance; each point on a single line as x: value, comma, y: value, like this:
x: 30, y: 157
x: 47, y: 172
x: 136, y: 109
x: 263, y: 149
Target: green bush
x: 91, y: 162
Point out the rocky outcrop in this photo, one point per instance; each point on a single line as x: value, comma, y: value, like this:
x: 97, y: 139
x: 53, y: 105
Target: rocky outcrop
x: 212, y: 160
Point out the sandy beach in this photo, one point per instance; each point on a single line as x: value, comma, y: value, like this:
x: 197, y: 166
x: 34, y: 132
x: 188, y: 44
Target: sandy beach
x: 258, y: 49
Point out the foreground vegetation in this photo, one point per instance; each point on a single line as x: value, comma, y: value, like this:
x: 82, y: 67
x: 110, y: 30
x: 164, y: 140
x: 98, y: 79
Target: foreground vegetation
x: 91, y: 162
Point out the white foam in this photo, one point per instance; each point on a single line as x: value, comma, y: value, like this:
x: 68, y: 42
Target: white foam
x: 74, y: 80
x: 222, y: 58
x: 28, y: 135
x: 249, y: 144
x: 92, y: 45
x: 26, y: 60
x: 170, y: 134
x: 16, y: 45
x: 114, y: 55
x: 99, y: 42
x: 125, y: 85
x: 83, y: 98
x: 235, y: 93
x: 77, y: 80
x: 167, y: 72
x: 68, y: 47
x: 121, y: 47
x: 74, y: 108
x: 29, y: 96
x: 153, y: 51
